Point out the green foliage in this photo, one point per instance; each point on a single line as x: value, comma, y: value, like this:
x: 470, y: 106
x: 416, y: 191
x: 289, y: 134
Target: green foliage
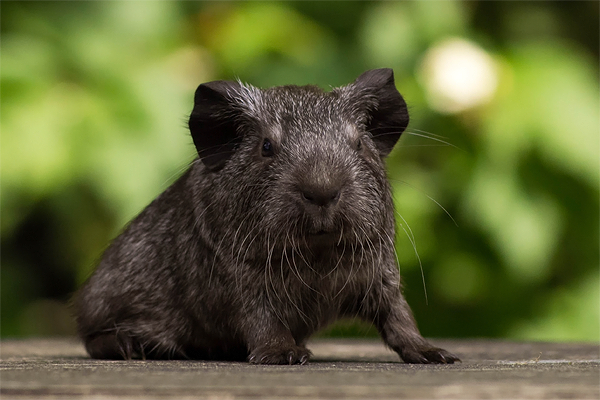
x: 498, y: 202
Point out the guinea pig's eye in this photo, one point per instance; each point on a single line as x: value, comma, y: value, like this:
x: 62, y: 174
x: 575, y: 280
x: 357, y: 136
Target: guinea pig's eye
x: 359, y: 144
x: 267, y: 148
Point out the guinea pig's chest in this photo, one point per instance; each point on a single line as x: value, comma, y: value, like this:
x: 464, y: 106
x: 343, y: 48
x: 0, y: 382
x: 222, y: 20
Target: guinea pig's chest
x: 320, y: 284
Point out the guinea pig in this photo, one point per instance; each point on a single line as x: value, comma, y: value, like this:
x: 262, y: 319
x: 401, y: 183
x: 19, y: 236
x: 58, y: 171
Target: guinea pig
x: 282, y: 225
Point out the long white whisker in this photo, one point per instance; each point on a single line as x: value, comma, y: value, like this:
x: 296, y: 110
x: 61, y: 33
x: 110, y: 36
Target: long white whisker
x: 433, y: 138
x: 412, y: 241
x: 429, y: 197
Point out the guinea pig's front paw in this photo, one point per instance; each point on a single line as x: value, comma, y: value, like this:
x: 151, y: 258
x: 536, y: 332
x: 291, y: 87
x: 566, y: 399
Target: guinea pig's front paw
x: 427, y: 355
x: 280, y: 355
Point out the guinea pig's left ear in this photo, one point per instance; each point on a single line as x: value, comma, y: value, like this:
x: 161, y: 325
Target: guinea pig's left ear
x: 387, y: 113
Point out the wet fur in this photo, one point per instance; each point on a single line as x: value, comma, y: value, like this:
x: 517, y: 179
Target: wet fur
x: 248, y: 254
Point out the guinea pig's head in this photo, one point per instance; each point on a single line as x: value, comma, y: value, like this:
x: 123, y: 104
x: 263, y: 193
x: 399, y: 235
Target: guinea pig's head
x: 298, y: 166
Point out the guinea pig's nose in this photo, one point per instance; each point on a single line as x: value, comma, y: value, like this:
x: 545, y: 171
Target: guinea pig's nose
x: 322, y: 197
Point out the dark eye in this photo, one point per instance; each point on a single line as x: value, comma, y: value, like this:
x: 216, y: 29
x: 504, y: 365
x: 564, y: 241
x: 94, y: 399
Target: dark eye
x: 267, y: 148
x: 358, y: 144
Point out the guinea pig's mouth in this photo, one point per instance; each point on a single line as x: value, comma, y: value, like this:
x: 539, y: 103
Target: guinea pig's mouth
x: 322, y: 231
x: 323, y: 237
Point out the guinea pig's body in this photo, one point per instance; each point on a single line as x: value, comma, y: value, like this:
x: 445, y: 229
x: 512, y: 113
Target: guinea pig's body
x: 284, y: 224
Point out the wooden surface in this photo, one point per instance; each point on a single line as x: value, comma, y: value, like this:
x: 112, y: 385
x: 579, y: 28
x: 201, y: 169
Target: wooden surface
x: 340, y: 369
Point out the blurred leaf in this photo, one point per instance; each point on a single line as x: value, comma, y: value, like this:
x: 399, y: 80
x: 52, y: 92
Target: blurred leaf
x: 524, y: 228
x: 568, y: 313
x: 462, y: 279
x: 240, y: 35
x: 389, y: 35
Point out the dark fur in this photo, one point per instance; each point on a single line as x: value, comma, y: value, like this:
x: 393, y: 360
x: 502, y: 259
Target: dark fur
x: 254, y: 249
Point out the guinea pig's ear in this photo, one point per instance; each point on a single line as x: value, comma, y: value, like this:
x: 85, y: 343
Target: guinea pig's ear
x: 214, y: 122
x: 387, y: 112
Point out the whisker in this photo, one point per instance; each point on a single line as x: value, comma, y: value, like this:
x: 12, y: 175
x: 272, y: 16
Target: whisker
x: 421, y: 145
x: 179, y: 171
x: 283, y: 281
x: 429, y: 133
x: 411, y: 238
x: 406, y: 129
x: 433, y: 138
x: 426, y: 195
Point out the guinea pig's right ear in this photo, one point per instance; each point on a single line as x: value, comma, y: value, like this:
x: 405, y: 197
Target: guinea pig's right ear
x: 213, y: 122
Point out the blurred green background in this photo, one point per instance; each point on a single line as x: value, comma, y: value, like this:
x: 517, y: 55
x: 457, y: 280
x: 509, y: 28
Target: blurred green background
x: 504, y: 138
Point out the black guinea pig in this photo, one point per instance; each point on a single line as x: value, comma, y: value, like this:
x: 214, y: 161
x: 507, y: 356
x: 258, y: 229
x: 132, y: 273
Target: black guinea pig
x: 283, y: 224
